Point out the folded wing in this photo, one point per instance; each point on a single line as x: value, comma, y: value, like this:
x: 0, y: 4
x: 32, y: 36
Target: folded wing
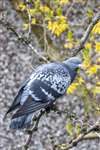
x: 30, y: 106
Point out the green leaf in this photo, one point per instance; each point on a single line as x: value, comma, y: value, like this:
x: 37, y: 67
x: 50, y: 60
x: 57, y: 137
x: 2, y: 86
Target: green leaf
x: 86, y: 53
x: 69, y: 128
x: 70, y: 36
x: 59, y: 11
x: 90, y: 13
x: 78, y: 128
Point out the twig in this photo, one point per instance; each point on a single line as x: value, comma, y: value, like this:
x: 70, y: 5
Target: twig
x: 34, y: 128
x: 91, y: 136
x: 74, y: 142
x: 23, y: 39
x: 86, y: 34
x: 29, y: 17
x: 45, y: 40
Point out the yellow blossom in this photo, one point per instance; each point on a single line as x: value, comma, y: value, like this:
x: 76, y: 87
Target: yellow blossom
x: 98, y: 83
x: 45, y: 8
x: 68, y: 45
x: 64, y: 2
x: 98, y: 60
x: 32, y: 11
x: 80, y: 80
x: 88, y: 46
x: 72, y: 88
x: 25, y: 26
x: 33, y: 21
x: 22, y: 6
x: 96, y: 90
x: 59, y: 26
x: 86, y: 63
x: 92, y: 69
x: 97, y: 47
x: 96, y: 28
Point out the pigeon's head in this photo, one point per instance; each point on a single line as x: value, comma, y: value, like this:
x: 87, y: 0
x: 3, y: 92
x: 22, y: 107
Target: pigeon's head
x: 73, y: 63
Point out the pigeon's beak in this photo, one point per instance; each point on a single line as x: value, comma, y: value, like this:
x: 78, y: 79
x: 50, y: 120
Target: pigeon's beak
x: 81, y: 66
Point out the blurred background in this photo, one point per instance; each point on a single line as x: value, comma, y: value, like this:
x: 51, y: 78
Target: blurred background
x: 54, y: 28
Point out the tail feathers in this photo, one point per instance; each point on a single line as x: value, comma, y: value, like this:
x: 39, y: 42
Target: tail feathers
x: 21, y: 122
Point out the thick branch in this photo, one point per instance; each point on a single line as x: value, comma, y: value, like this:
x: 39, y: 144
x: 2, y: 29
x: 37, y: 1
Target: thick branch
x: 86, y: 34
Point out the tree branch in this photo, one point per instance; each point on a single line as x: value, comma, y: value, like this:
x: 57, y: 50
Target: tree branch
x: 86, y: 34
x: 23, y: 39
x: 34, y: 128
x: 74, y: 142
x: 75, y: 51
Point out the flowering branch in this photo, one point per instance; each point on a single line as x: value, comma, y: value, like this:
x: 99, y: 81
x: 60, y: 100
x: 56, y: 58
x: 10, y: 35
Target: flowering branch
x: 86, y: 34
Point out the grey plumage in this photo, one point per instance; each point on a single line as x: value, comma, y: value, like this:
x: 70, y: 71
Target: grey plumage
x: 43, y: 87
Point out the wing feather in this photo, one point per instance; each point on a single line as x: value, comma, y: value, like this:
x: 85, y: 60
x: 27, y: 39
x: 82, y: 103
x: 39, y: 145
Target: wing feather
x: 30, y: 106
x: 16, y: 103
